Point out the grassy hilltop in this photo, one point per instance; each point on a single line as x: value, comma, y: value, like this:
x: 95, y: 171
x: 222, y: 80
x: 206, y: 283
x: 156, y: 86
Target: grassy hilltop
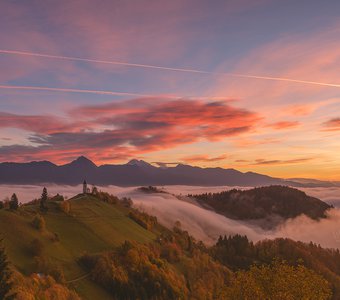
x: 91, y: 226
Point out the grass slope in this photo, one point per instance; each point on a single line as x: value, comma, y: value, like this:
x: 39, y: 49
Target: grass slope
x: 91, y: 226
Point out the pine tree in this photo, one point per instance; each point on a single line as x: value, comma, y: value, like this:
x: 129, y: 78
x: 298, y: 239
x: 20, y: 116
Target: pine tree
x: 43, y: 200
x: 14, y: 202
x: 5, y: 276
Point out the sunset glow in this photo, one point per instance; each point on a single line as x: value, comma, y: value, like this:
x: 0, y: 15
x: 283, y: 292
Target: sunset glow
x: 249, y: 85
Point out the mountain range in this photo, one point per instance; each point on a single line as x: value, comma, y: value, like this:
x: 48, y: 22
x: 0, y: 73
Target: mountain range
x: 138, y: 172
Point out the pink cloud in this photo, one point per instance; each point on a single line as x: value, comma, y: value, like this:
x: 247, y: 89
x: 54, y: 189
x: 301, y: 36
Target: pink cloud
x: 127, y: 128
x: 38, y: 123
x: 332, y: 125
x: 284, y: 125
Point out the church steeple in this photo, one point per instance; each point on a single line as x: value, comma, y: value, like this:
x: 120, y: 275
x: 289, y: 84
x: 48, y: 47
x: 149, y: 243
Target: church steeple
x: 84, y: 187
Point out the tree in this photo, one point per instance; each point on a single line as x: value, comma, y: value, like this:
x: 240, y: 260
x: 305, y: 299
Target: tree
x: 43, y: 200
x: 5, y: 276
x: 278, y: 281
x: 14, y: 202
x: 94, y: 191
x: 2, y: 205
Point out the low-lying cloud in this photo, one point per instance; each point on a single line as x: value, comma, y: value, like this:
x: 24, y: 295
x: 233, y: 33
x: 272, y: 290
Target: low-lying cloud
x: 207, y: 225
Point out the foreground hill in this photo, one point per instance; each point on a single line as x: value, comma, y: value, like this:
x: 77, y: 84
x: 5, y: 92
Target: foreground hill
x: 270, y: 202
x: 134, y: 173
x: 91, y: 226
x: 98, y: 247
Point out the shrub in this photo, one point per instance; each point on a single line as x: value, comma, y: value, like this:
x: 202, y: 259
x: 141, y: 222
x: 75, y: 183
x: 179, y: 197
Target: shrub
x: 39, y: 223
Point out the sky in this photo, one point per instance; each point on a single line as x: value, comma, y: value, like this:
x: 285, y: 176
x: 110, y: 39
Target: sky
x: 251, y: 85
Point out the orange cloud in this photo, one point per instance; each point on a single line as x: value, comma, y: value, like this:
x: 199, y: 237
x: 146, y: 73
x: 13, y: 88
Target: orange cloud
x: 281, y: 162
x: 332, y: 125
x: 127, y: 128
x: 284, y: 124
x: 38, y: 123
x: 203, y: 158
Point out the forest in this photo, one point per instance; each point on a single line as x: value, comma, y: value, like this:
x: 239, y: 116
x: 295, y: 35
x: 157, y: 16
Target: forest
x: 272, y: 202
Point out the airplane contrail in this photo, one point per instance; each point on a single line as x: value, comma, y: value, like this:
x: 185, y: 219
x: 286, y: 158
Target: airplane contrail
x: 67, y: 90
x: 147, y: 66
x: 102, y: 92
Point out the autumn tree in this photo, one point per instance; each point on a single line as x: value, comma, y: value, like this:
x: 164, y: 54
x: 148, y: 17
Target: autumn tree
x: 278, y: 281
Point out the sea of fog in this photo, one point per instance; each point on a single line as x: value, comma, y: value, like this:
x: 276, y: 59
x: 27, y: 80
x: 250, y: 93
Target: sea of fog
x: 204, y: 224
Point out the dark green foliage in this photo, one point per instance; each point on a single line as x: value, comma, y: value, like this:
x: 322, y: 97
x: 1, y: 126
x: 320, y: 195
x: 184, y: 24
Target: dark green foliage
x: 2, y: 205
x: 259, y: 203
x: 14, y: 202
x: 43, y: 200
x: 6, y: 283
x: 236, y: 252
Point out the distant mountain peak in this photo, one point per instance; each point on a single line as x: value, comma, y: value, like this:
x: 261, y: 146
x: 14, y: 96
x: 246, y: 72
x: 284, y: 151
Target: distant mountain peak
x: 83, y: 161
x: 139, y: 163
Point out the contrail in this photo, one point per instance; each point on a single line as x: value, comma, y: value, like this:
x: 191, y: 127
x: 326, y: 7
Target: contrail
x: 66, y: 90
x: 128, y: 64
x: 102, y: 92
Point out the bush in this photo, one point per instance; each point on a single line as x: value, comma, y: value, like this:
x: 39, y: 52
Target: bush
x: 39, y: 223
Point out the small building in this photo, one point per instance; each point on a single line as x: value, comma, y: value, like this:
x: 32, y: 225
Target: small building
x: 85, y: 187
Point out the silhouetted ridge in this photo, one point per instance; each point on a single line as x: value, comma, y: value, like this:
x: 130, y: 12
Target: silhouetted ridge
x: 135, y: 172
